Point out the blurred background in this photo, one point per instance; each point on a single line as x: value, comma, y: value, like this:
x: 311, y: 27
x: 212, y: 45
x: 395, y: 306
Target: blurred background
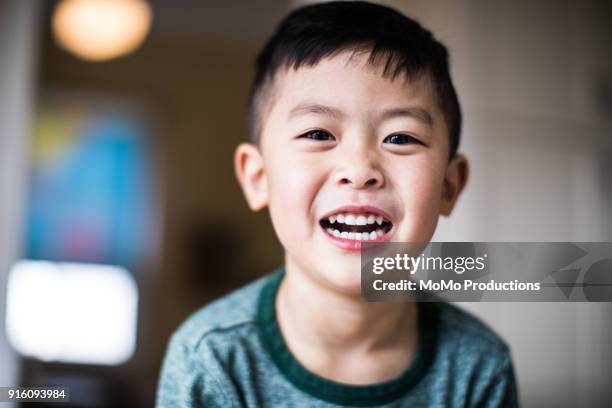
x: 120, y: 213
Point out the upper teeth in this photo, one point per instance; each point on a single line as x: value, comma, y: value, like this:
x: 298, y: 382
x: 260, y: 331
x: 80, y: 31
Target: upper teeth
x: 353, y: 219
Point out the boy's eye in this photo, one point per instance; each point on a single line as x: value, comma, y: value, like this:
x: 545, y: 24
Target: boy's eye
x: 320, y: 135
x: 402, y: 139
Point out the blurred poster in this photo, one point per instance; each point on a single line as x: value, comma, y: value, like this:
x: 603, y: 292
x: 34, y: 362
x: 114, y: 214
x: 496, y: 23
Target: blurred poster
x: 90, y: 183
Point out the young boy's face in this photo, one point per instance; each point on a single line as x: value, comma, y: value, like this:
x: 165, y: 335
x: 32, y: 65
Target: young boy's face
x: 341, y: 144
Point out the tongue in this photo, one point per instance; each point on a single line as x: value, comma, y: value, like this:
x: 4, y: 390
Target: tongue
x: 355, y: 228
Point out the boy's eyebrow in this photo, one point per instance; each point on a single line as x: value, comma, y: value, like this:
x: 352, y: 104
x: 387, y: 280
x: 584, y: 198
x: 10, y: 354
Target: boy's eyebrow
x: 415, y: 112
x: 305, y: 108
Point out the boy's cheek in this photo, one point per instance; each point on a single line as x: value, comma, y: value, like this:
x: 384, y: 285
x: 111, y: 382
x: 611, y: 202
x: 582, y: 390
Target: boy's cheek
x: 292, y: 192
x: 419, y: 223
x: 421, y: 202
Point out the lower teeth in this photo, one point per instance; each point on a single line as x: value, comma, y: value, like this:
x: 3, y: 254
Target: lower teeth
x: 357, y: 236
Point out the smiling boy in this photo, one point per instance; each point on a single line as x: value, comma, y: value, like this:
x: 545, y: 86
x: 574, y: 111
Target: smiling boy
x: 354, y: 128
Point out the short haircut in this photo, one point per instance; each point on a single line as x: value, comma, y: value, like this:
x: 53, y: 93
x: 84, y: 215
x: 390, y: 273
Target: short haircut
x: 311, y: 33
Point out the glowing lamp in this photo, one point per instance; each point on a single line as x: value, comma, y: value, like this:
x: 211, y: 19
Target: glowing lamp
x: 99, y: 30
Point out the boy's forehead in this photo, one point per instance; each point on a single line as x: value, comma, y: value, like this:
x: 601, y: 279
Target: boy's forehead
x: 350, y: 79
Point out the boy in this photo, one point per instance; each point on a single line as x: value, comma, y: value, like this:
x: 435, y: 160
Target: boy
x: 354, y: 127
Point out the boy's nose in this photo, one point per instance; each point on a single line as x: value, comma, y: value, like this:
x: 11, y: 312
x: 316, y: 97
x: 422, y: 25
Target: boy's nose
x: 360, y: 176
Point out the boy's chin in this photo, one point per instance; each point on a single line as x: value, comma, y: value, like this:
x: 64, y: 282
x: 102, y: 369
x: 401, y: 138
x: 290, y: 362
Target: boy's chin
x: 344, y: 280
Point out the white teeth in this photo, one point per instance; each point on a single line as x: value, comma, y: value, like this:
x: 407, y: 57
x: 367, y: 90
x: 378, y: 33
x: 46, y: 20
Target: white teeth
x: 358, y: 236
x: 356, y: 219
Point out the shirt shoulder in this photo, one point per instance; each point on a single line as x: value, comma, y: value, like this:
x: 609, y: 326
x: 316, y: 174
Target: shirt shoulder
x: 477, y: 360
x: 193, y: 373
x: 459, y: 326
x: 230, y: 311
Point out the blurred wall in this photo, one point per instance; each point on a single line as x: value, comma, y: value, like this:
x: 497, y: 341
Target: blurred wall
x: 195, y: 87
x: 18, y: 49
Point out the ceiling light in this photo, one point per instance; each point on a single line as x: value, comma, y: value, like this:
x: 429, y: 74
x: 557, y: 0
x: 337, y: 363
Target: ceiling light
x: 98, y: 30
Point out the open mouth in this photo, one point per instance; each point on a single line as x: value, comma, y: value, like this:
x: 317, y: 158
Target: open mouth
x: 358, y: 227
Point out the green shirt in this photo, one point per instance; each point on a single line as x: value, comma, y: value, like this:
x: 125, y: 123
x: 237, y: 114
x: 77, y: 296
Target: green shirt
x: 231, y: 354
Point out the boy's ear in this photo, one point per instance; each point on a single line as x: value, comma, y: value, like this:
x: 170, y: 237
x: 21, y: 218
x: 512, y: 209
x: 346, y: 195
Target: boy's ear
x: 455, y: 180
x: 251, y: 175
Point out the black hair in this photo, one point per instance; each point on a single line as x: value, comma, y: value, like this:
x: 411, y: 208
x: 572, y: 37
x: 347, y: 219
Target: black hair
x: 311, y: 33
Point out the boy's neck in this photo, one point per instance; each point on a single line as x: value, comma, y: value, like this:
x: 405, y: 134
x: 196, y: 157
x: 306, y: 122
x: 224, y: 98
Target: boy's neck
x: 324, y: 328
